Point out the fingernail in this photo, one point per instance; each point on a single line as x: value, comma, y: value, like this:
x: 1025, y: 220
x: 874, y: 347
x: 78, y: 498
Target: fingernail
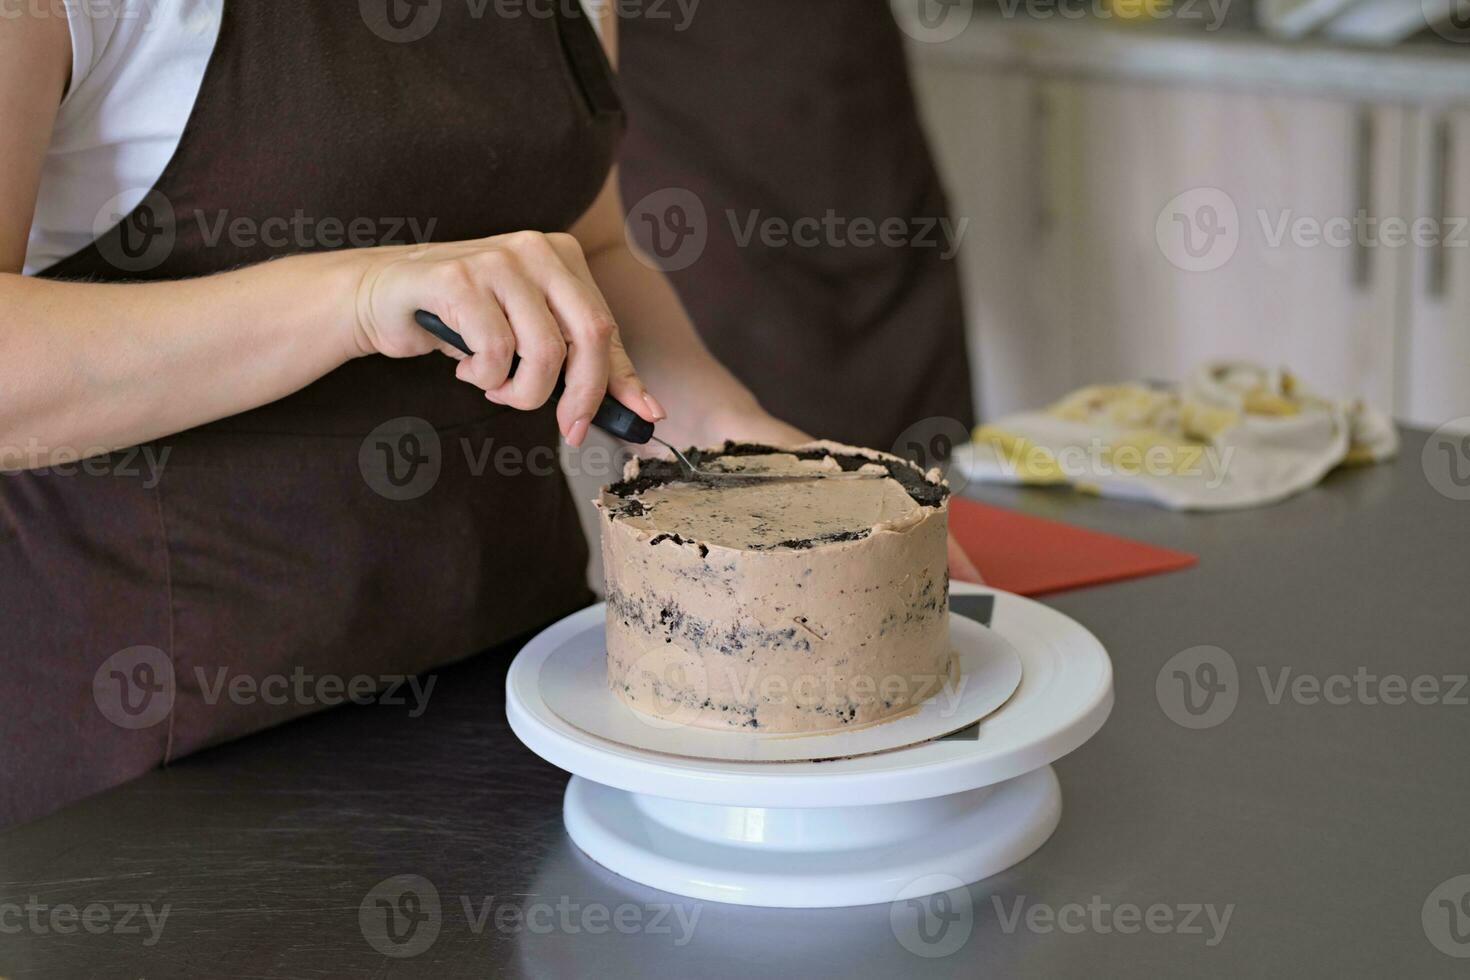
x: 577, y: 432
x: 654, y: 408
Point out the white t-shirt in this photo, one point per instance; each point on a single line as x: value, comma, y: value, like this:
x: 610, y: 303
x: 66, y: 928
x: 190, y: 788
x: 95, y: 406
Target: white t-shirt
x: 136, y: 68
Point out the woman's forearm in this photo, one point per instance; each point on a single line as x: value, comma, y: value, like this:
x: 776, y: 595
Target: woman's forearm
x: 88, y: 367
x: 702, y: 397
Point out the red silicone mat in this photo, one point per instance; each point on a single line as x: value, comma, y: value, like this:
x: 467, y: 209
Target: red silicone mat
x: 1031, y: 555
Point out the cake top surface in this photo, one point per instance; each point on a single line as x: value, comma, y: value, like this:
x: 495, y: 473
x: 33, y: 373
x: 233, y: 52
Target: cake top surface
x: 656, y: 496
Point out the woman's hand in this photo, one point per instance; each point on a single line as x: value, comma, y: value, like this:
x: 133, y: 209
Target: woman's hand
x: 960, y: 565
x: 524, y: 293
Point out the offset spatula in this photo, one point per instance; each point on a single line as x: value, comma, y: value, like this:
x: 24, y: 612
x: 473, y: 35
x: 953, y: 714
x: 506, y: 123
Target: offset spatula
x: 613, y: 417
x: 617, y: 419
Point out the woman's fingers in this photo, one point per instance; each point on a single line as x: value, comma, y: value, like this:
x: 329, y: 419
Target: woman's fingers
x: 625, y: 386
x: 539, y: 342
x: 587, y: 326
x: 525, y: 294
x: 486, y: 332
x: 620, y: 379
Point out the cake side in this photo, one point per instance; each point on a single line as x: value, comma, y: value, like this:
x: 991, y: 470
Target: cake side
x: 750, y: 627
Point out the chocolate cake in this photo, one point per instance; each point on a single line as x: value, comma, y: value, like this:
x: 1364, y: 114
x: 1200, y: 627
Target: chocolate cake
x: 776, y: 606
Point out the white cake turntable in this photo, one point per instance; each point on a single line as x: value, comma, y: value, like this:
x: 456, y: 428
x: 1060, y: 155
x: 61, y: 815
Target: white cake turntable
x: 869, y: 815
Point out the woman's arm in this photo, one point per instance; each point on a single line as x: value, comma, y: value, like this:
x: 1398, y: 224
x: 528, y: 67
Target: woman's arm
x: 86, y: 367
x: 706, y: 403
x: 35, y: 63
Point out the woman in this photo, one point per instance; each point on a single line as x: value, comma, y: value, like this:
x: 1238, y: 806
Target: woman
x: 219, y: 326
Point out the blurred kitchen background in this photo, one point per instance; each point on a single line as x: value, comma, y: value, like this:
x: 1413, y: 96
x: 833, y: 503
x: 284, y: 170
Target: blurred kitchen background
x: 1151, y: 184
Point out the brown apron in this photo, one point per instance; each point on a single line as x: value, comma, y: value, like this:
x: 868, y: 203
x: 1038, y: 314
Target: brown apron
x: 381, y: 521
x: 788, y: 111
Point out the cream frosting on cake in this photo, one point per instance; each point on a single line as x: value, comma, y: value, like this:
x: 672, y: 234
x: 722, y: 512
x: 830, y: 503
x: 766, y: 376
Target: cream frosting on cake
x: 790, y: 606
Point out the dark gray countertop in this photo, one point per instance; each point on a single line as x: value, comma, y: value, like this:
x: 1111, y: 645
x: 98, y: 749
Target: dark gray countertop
x: 1328, y: 830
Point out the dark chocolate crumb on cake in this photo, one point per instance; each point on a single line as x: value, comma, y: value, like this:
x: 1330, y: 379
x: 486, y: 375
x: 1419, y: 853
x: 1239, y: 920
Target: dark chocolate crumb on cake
x: 658, y: 472
x: 799, y: 543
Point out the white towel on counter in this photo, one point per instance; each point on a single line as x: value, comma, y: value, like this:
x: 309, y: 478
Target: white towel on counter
x: 1231, y: 435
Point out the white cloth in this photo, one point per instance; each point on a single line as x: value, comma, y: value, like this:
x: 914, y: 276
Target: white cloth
x: 1232, y: 435
x: 136, y: 70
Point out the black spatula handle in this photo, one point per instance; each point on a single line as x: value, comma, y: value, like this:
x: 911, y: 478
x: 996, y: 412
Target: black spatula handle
x: 613, y: 417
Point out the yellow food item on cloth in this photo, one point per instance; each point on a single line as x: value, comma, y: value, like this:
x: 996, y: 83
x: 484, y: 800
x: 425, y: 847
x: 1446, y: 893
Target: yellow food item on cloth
x: 1231, y: 435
